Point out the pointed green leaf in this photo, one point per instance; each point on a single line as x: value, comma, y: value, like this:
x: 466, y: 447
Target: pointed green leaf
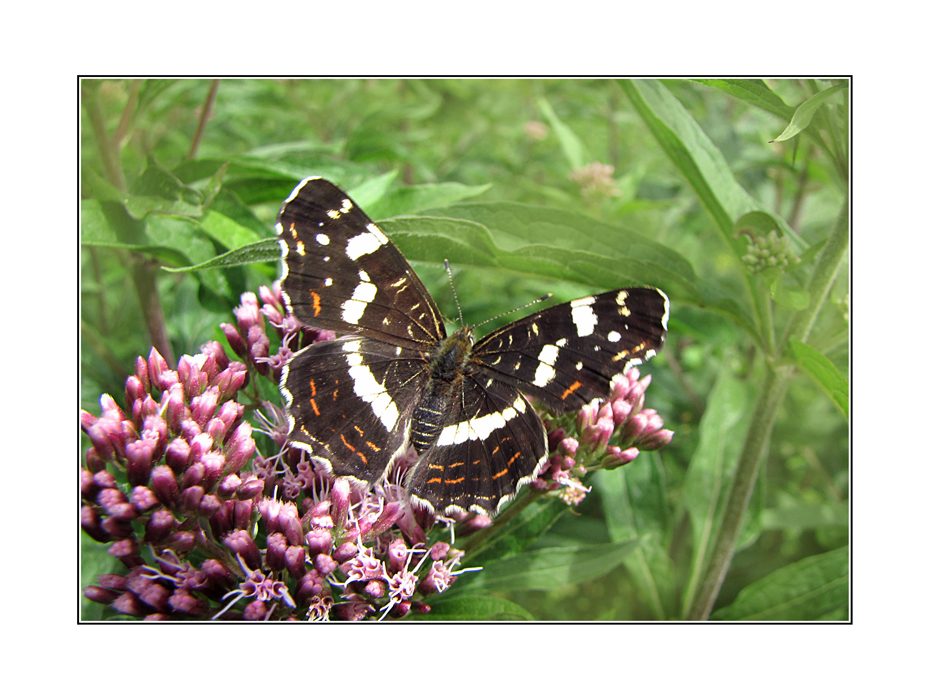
x: 697, y: 158
x: 410, y: 200
x: 824, y: 373
x: 372, y: 191
x: 226, y: 231
x: 518, y: 534
x: 711, y: 469
x: 563, y: 245
x: 571, y: 145
x: 754, y: 92
x: 265, y: 250
x: 814, y: 588
x: 806, y: 111
x: 544, y: 569
x: 791, y: 296
x: 635, y: 504
x: 472, y: 607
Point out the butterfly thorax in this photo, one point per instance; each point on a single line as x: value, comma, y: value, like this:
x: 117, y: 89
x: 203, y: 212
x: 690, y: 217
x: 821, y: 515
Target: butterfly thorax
x: 448, y: 365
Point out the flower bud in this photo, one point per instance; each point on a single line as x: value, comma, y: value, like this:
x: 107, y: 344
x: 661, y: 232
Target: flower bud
x: 295, y: 561
x: 275, y: 552
x: 159, y: 526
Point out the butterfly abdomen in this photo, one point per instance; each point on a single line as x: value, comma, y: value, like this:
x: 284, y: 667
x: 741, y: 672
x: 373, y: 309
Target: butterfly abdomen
x: 447, y: 368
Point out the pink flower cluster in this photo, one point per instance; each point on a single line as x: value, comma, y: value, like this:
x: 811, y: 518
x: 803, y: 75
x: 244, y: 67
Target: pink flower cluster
x: 611, y: 434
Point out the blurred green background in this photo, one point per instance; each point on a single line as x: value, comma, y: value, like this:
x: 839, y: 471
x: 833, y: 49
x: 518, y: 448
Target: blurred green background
x: 177, y: 172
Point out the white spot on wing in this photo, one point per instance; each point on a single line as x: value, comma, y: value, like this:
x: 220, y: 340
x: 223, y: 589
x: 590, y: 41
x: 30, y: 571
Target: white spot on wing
x: 545, y: 371
x: 583, y: 316
x: 366, y: 242
x: 352, y: 309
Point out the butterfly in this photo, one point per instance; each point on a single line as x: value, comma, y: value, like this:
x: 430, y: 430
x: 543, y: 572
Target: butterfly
x: 394, y: 378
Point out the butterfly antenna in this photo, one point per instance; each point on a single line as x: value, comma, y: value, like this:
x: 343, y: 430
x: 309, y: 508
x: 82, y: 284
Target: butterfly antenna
x: 519, y: 308
x: 451, y: 284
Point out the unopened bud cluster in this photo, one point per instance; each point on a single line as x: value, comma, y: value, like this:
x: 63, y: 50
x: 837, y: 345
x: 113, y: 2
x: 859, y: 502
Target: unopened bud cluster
x: 768, y: 251
x: 610, y: 434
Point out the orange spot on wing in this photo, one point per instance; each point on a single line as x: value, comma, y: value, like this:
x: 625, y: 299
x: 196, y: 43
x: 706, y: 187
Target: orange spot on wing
x: 316, y: 303
x: 574, y: 387
x: 312, y: 388
x: 455, y: 481
x: 499, y: 474
x: 343, y: 438
x: 313, y: 405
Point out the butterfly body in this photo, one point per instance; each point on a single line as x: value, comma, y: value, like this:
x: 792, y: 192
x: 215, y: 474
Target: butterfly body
x: 397, y: 379
x: 448, y: 368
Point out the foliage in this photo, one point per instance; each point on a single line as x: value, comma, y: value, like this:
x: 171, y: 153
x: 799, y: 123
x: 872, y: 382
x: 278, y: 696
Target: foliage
x: 745, y: 515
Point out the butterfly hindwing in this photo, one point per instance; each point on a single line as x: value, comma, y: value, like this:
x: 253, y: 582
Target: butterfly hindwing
x: 343, y: 274
x: 568, y: 354
x: 491, y: 443
x: 349, y: 402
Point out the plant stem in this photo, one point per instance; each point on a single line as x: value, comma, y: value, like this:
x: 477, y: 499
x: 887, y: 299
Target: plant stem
x: 204, y: 117
x: 773, y: 392
x: 144, y: 273
x: 744, y: 480
x: 828, y: 266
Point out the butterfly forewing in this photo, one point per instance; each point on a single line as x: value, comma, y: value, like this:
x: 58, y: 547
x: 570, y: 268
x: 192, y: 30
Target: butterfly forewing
x: 568, y: 354
x: 343, y: 274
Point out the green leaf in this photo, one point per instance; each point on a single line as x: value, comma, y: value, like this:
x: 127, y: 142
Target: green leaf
x: 754, y: 92
x: 471, y: 607
x: 226, y: 231
x: 634, y: 501
x: 806, y: 111
x: 806, y: 516
x: 571, y: 145
x: 434, y: 239
x: 544, y: 569
x: 759, y: 221
x: 563, y: 245
x: 518, y: 534
x: 691, y: 151
x: 812, y: 589
x: 824, y: 373
x: 372, y: 191
x: 213, y: 185
x: 95, y: 227
x: 265, y: 250
x: 409, y: 200
x: 789, y: 295
x: 159, y: 191
x: 710, y: 471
